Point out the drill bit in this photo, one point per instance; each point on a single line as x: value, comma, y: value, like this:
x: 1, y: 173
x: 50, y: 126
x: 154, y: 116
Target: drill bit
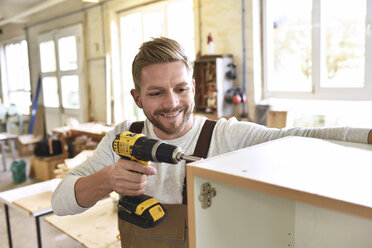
x: 178, y: 155
x: 190, y: 158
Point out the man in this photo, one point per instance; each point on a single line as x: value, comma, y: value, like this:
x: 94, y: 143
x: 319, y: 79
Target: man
x: 164, y: 89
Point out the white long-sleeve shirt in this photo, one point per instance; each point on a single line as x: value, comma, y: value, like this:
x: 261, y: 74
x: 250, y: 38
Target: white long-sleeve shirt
x: 167, y: 184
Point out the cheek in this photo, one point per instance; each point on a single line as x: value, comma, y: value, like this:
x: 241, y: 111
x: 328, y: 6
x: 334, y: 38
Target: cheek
x: 149, y: 103
x: 191, y: 96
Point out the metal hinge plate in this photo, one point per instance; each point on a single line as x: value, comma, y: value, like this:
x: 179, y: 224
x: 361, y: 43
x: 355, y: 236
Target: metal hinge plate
x: 206, y: 194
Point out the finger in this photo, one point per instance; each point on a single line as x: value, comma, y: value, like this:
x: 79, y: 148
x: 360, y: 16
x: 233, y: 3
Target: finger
x: 120, y: 174
x: 128, y: 188
x: 134, y: 177
x: 138, y: 167
x: 149, y: 170
x: 131, y: 192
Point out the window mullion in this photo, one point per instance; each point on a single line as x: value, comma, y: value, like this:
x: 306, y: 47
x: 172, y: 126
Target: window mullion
x: 368, y: 48
x: 4, y: 75
x: 58, y: 72
x: 317, y: 46
x: 267, y: 46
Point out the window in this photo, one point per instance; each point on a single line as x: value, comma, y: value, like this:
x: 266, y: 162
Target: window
x: 173, y: 19
x: 318, y: 49
x: 63, y: 85
x: 67, y: 64
x: 16, y: 76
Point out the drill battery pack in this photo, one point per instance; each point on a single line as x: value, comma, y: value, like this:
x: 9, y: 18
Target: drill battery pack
x: 143, y: 211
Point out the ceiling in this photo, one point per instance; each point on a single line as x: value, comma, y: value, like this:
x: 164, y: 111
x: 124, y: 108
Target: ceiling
x: 13, y: 11
x: 19, y: 11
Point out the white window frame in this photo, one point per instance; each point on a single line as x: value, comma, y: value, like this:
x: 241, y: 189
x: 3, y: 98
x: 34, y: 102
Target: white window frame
x: 318, y: 92
x: 58, y: 116
x: 4, y: 77
x: 75, y: 30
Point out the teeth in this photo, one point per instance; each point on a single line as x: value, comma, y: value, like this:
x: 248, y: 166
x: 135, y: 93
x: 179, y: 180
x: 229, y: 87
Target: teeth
x: 171, y: 115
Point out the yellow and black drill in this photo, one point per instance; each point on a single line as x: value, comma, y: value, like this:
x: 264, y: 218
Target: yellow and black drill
x: 143, y: 210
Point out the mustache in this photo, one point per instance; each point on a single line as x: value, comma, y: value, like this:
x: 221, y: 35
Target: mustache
x: 165, y: 111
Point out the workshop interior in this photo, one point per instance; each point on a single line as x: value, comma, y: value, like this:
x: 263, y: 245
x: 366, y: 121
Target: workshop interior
x: 66, y: 80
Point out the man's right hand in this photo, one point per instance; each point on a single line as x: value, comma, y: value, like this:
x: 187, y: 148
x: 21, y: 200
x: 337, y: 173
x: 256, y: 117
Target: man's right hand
x: 124, y: 177
x: 129, y: 177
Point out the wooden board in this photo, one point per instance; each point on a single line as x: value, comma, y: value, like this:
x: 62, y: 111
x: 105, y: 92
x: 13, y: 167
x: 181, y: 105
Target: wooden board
x: 35, y: 203
x: 27, y: 139
x: 78, y: 159
x: 9, y: 196
x: 7, y: 136
x: 96, y: 228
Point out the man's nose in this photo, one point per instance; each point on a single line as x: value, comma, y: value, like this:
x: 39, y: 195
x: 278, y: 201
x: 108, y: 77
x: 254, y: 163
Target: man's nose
x: 171, y: 100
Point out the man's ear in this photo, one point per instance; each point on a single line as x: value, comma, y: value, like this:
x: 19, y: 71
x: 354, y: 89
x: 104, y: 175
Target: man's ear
x: 193, y: 86
x: 136, y: 97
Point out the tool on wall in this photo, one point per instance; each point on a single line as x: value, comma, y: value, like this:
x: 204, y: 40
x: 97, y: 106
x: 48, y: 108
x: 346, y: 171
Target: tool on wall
x: 231, y: 73
x: 235, y: 95
x: 143, y: 210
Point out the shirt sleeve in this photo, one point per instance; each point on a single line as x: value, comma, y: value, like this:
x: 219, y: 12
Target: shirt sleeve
x: 231, y: 134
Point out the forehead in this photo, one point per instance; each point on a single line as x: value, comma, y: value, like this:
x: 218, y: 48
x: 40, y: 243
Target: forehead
x: 165, y: 73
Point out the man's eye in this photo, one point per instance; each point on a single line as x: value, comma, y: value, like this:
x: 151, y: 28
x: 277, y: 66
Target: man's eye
x: 182, y: 90
x: 154, y: 93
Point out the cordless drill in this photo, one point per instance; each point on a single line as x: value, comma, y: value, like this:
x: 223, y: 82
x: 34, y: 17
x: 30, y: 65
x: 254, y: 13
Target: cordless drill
x: 143, y: 210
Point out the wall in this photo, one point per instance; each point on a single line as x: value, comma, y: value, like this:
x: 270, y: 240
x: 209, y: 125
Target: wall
x: 96, y: 64
x: 223, y: 19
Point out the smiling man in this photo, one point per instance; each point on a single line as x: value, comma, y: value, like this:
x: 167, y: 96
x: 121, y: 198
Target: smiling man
x: 165, y: 89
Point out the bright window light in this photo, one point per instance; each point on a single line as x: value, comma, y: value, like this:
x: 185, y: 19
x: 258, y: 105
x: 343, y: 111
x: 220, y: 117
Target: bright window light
x: 47, y: 56
x: 16, y: 90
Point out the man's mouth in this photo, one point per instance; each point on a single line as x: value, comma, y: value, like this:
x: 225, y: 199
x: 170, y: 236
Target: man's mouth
x: 172, y: 114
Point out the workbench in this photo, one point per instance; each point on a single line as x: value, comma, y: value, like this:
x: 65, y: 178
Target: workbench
x: 95, y: 228
x: 290, y: 192
x: 33, y: 200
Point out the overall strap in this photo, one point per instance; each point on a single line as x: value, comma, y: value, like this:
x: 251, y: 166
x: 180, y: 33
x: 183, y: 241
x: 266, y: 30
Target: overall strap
x: 136, y: 127
x: 204, y: 140
x: 201, y: 149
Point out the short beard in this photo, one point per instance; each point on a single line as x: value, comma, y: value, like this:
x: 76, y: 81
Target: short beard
x: 173, y: 129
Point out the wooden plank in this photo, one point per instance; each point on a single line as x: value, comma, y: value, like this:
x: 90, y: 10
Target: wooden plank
x: 78, y: 159
x: 97, y: 227
x: 27, y: 139
x: 35, y: 203
x: 9, y: 196
x: 8, y: 136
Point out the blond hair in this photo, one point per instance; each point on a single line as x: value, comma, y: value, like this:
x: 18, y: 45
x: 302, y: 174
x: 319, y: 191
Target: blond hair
x: 158, y: 50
